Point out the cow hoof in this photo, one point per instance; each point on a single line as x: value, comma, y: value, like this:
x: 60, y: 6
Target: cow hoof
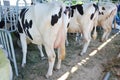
x: 23, y: 65
x: 102, y: 40
x: 47, y: 76
x: 55, y: 69
x: 43, y: 58
x: 81, y: 54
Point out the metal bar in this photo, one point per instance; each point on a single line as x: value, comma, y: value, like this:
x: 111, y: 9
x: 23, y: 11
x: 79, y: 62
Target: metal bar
x: 5, y: 34
x: 3, y: 37
x: 13, y: 53
x: 8, y: 47
x: 107, y: 76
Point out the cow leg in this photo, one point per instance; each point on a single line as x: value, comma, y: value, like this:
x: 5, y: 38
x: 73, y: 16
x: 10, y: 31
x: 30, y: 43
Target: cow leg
x: 18, y: 43
x: 51, y: 60
x: 77, y: 35
x: 118, y: 55
x: 61, y: 55
x: 41, y: 52
x: 59, y: 60
x: 103, y: 37
x: 78, y: 38
x: 107, y: 30
x: 24, y: 48
x: 108, y: 33
x: 66, y: 41
x: 87, y: 39
x: 104, y: 34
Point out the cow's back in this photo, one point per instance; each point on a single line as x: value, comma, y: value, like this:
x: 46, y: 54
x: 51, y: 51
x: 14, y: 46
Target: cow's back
x: 44, y: 20
x: 107, y: 12
x: 83, y: 16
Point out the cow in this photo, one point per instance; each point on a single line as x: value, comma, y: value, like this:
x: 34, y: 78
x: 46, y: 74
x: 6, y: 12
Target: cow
x: 45, y: 24
x: 83, y: 19
x: 107, y: 12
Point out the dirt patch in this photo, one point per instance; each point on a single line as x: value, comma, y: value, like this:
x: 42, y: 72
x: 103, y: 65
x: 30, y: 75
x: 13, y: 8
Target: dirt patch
x: 75, y: 67
x: 113, y: 66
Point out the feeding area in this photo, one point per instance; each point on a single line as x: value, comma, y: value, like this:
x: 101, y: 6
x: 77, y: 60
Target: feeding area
x: 59, y: 40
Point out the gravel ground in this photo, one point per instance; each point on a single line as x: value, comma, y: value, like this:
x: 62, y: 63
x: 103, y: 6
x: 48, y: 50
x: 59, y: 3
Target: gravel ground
x: 75, y: 67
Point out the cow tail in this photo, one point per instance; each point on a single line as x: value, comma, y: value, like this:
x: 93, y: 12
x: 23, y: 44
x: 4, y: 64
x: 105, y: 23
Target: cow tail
x: 114, y: 21
x: 94, y: 36
x: 62, y: 46
x: 63, y: 52
x: 94, y: 33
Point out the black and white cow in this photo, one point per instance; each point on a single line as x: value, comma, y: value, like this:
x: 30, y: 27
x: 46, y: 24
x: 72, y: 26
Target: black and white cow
x: 83, y: 19
x: 107, y: 13
x: 45, y: 24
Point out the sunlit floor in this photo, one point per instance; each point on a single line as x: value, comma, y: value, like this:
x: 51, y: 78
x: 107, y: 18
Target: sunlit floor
x: 94, y: 52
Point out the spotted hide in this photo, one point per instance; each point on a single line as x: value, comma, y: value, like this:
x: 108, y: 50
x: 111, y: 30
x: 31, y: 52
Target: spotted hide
x: 107, y: 12
x: 45, y: 23
x: 83, y: 19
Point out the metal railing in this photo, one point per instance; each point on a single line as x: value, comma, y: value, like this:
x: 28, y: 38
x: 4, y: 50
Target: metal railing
x: 7, y: 43
x: 9, y: 14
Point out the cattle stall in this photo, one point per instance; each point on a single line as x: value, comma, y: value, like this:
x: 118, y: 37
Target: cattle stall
x: 8, y: 23
x: 6, y: 34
